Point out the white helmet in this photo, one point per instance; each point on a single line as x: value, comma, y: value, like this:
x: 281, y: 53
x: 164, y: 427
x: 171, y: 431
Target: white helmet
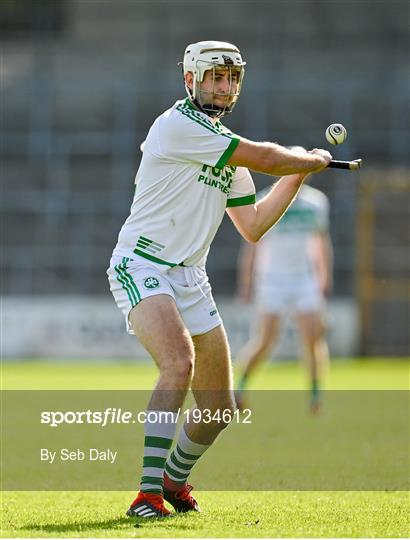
x: 208, y: 55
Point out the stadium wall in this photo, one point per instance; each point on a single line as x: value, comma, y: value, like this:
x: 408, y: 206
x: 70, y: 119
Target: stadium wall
x: 78, y: 327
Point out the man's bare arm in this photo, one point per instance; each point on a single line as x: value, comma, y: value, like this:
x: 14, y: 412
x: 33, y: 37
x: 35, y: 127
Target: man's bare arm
x: 253, y: 220
x: 276, y: 160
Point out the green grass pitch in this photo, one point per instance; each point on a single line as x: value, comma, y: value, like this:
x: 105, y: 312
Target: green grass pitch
x: 225, y: 514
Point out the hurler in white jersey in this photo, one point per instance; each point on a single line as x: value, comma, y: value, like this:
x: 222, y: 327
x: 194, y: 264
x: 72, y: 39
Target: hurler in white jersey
x: 290, y: 269
x: 192, y: 170
x: 183, y: 187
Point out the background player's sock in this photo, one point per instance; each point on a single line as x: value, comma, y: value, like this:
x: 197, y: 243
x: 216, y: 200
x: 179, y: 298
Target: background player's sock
x: 315, y: 394
x: 183, y: 458
x: 240, y: 392
x: 242, y: 383
x: 158, y: 441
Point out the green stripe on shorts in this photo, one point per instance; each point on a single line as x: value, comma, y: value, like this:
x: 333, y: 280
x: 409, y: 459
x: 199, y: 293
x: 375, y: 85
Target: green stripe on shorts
x: 125, y: 286
x: 131, y: 281
x: 127, y: 282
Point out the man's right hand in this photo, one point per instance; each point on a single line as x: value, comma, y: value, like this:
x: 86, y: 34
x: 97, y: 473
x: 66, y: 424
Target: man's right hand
x: 324, y: 154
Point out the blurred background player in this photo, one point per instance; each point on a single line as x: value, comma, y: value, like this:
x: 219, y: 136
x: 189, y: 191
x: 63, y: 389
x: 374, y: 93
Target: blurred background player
x: 290, y: 268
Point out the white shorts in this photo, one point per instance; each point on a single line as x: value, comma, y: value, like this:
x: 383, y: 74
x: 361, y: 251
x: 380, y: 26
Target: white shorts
x: 301, y: 294
x: 133, y: 280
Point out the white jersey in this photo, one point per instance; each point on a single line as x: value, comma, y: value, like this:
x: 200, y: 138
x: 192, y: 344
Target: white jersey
x: 183, y: 187
x: 285, y: 249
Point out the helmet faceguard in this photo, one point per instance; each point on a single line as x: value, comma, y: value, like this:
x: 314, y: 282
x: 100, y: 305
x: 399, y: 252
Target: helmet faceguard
x: 221, y: 59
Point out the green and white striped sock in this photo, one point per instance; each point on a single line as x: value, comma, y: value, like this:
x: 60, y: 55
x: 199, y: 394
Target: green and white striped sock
x: 183, y: 458
x: 159, y: 433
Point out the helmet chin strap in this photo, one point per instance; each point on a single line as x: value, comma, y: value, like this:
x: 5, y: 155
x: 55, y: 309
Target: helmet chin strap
x: 214, y: 111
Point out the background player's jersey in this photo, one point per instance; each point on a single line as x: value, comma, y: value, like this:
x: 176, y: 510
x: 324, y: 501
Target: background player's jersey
x: 284, y: 249
x: 183, y: 186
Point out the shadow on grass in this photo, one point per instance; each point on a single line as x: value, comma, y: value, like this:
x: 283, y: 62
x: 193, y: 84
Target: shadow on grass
x: 81, y: 525
x: 110, y: 524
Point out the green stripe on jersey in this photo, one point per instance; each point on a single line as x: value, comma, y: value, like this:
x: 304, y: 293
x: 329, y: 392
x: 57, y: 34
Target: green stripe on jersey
x: 146, y: 248
x: 187, y: 110
x: 154, y: 259
x: 143, y: 242
x: 149, y: 241
x: 149, y: 245
x: 241, y: 201
x: 218, y: 125
x: 223, y: 160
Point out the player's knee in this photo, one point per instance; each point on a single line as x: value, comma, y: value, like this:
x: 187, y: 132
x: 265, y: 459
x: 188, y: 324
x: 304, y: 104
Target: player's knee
x: 179, y: 370
x: 178, y: 362
x: 184, y: 368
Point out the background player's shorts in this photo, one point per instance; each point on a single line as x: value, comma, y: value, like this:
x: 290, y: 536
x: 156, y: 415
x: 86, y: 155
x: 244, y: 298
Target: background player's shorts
x: 277, y: 294
x: 133, y: 280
